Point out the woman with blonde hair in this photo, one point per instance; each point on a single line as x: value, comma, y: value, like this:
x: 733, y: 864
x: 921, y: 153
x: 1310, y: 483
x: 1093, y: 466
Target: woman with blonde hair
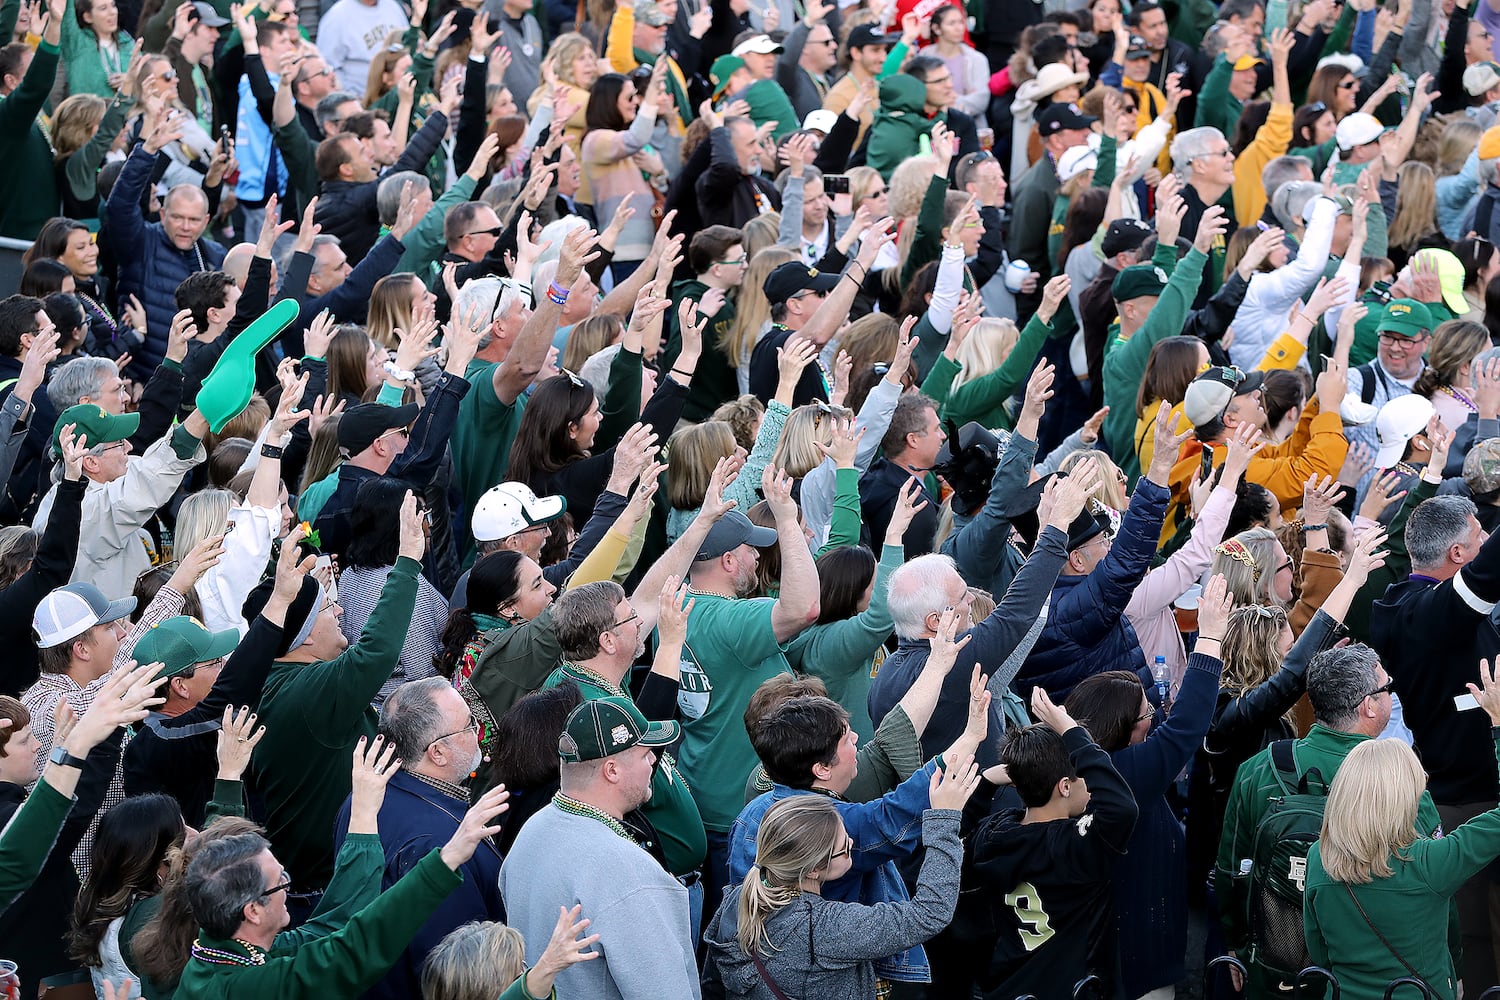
x: 477, y: 960
x: 84, y: 128
x: 694, y: 452
x: 777, y: 919
x: 1415, y: 223
x: 752, y: 312
x: 386, y: 67
x: 589, y: 336
x: 398, y: 302
x: 1256, y: 567
x: 759, y: 233
x: 1381, y: 878
x: 1447, y: 379
x: 573, y: 64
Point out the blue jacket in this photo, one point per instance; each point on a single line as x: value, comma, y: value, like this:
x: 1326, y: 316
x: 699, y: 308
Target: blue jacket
x: 255, y: 151
x: 151, y: 267
x: 883, y: 832
x: 414, y: 819
x: 1086, y: 631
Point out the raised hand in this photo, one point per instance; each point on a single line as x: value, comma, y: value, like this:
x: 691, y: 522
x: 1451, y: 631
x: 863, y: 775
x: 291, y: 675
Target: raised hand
x: 1214, y: 608
x: 413, y: 539
x: 1065, y: 496
x: 1212, y: 224
x: 127, y: 697
x: 1038, y: 391
x: 1167, y: 443
x: 676, y: 605
x: 1487, y: 692
x: 714, y: 505
x: 74, y: 449
x: 844, y: 444
x: 1381, y: 494
x: 1318, y: 498
x: 909, y: 501
x: 1368, y: 555
x: 199, y: 560
x: 1246, y: 441
x: 951, y: 788
x: 374, y: 765
x: 1050, y: 714
x: 237, y: 740
x: 565, y: 948
x: 776, y: 487
x: 475, y: 827
x: 1053, y: 294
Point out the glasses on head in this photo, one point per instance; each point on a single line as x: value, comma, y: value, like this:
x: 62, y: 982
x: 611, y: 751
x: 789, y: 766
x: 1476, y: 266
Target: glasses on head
x: 1270, y: 614
x: 1385, y: 688
x: 472, y: 727
x: 573, y: 379
x: 1317, y: 107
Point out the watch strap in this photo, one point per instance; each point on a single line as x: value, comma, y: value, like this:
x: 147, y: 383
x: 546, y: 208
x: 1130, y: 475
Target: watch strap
x: 60, y: 755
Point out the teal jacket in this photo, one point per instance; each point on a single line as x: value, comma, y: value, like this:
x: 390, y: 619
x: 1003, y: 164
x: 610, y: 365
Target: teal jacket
x: 896, y: 133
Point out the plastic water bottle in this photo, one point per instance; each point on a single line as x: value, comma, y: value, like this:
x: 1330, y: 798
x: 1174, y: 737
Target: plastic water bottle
x: 1163, y: 685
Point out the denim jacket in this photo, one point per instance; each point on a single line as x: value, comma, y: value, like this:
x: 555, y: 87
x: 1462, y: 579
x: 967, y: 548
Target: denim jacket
x: 883, y: 832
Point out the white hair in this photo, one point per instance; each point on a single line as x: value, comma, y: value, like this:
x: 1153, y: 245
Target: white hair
x: 1192, y: 144
x: 486, y: 295
x: 554, y: 233
x: 918, y: 589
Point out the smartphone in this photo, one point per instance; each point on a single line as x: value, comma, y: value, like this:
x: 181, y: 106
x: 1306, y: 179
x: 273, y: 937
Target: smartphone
x: 836, y: 183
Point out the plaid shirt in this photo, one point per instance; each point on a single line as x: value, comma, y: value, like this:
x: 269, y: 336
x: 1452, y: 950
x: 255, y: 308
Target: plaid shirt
x: 42, y: 697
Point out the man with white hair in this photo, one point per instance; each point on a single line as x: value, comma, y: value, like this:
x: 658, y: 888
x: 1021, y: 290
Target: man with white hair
x: 1204, y: 162
x: 924, y: 588
x: 511, y: 353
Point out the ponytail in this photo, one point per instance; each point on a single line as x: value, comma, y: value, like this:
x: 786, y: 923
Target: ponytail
x: 796, y: 838
x: 759, y: 900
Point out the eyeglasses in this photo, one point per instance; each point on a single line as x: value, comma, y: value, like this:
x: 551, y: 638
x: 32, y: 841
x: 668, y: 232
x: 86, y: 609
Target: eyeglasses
x: 1385, y: 688
x: 1349, y: 85
x: 1401, y: 340
x: 1146, y: 716
x: 394, y: 49
x: 167, y: 75
x: 403, y: 431
x: 736, y: 262
x: 822, y: 41
x: 472, y: 727
x: 283, y: 886
x: 487, y: 232
x: 620, y: 624
x: 1261, y: 611
x: 848, y: 849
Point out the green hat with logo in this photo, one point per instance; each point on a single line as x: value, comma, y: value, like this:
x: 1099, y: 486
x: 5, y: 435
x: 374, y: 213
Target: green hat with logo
x: 722, y: 69
x: 1407, y: 317
x: 1138, y: 281
x: 95, y: 425
x: 606, y: 726
x: 183, y: 642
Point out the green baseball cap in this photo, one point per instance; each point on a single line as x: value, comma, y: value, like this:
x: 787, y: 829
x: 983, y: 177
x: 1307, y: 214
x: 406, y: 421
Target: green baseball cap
x: 94, y: 425
x: 183, y: 642
x: 1138, y: 281
x: 606, y: 726
x: 1407, y: 317
x: 722, y: 69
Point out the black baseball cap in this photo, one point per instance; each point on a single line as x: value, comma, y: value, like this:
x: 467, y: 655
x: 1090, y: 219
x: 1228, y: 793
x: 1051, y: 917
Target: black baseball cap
x: 1060, y: 117
x: 1123, y: 235
x: 359, y: 427
x: 793, y: 277
x: 1138, y: 48
x: 868, y: 34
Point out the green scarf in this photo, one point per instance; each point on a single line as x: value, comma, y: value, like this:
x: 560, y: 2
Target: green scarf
x: 679, y: 96
x: 488, y: 623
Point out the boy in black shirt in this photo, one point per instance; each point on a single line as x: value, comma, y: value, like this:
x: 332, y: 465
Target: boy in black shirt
x: 1037, y: 886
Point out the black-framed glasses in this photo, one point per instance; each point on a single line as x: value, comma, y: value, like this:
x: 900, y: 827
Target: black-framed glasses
x: 1146, y: 716
x: 284, y: 885
x: 624, y: 622
x: 1385, y: 688
x: 472, y: 727
x: 848, y: 849
x: 1349, y: 85
x: 495, y: 232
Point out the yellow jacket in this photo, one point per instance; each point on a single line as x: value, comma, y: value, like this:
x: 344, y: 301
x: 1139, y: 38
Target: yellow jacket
x: 1271, y: 140
x: 620, y: 51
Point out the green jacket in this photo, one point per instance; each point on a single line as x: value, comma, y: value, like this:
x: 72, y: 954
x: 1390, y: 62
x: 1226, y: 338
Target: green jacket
x: 1250, y: 798
x: 985, y: 397
x: 1216, y: 106
x: 88, y: 72
x: 28, y: 839
x: 516, y: 661
x: 315, y: 714
x: 1125, y: 360
x: 344, y: 963
x: 28, y: 184
x: 1412, y: 907
x: 424, y: 244
x: 896, y: 133
x: 769, y: 103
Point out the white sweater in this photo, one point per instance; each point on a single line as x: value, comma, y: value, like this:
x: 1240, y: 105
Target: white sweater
x: 352, y: 32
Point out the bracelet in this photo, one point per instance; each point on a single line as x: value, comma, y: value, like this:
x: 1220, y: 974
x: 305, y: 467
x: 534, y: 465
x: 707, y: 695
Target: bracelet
x: 686, y: 375
x: 1315, y: 527
x: 270, y: 451
x: 557, y: 294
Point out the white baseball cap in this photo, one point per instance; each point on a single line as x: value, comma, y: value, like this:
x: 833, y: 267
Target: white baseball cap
x: 1398, y: 421
x: 510, y: 508
x: 821, y: 120
x: 1075, y: 161
x: 70, y: 611
x: 760, y: 45
x: 1357, y: 129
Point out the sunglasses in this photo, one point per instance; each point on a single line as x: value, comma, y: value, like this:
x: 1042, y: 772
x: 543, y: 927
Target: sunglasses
x: 495, y: 232
x: 1349, y: 85
x: 1385, y: 688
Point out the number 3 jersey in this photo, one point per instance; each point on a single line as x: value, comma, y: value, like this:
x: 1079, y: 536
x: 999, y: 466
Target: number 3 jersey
x: 1038, y: 896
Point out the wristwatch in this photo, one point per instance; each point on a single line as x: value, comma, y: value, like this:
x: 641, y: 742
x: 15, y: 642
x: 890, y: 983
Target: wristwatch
x: 60, y: 755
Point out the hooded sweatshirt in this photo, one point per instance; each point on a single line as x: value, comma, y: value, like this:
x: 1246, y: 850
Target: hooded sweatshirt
x: 899, y: 125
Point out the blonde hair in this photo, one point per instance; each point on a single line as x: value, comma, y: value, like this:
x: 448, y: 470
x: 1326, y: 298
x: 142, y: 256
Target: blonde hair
x: 1416, y: 204
x: 74, y: 123
x: 692, y: 454
x: 1110, y: 491
x: 743, y: 414
x: 753, y: 310
x: 473, y: 962
x: 808, y: 426
x: 202, y: 514
x: 870, y: 340
x: 904, y: 194
x: 565, y: 49
x: 795, y: 838
x: 986, y: 348
x: 383, y: 62
x: 589, y: 336
x: 861, y: 179
x: 759, y: 233
x: 1371, y: 812
x: 1252, y: 647
x: 390, y: 309
x: 1459, y: 137
x: 1248, y: 564
x: 322, y: 454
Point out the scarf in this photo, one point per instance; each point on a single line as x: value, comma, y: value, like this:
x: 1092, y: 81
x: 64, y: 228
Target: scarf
x: 675, y: 84
x: 488, y: 623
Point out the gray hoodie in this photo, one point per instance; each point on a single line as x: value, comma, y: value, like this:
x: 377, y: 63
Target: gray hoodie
x: 827, y: 950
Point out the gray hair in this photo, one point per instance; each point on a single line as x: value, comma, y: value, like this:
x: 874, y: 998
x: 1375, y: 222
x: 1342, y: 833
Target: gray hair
x: 482, y: 293
x: 1239, y: 8
x: 1436, y: 526
x: 388, y: 194
x: 1281, y: 172
x: 468, y: 963
x: 1338, y: 682
x: 328, y: 108
x: 1291, y: 199
x: 1489, y: 171
x: 222, y: 880
x: 284, y: 265
x: 410, y: 718
x: 78, y: 378
x: 1190, y: 145
x: 582, y: 613
x: 916, y: 591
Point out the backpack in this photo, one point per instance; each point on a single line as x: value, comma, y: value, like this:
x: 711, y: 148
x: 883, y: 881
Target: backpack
x: 1369, y: 372
x: 1279, y: 867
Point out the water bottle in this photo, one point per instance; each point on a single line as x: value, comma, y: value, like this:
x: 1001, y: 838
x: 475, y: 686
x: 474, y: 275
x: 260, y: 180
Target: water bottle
x: 1163, y: 685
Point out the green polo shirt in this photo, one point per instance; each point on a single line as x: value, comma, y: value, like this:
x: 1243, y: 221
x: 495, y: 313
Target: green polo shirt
x: 671, y: 808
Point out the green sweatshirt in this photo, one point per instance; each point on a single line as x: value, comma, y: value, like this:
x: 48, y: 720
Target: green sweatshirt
x: 846, y: 522
x: 984, y: 398
x: 1412, y: 908
x: 847, y: 654
x: 1216, y: 106
x: 28, y: 839
x: 1125, y: 360
x: 315, y: 714
x: 344, y: 963
x: 28, y: 184
x: 424, y: 244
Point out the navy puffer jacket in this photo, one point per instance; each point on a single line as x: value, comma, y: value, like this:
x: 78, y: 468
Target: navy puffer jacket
x: 1086, y: 631
x: 151, y: 267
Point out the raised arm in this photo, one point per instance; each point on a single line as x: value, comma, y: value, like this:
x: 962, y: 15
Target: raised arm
x: 798, y: 604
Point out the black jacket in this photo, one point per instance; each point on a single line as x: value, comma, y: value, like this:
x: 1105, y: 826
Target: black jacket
x: 32, y: 929
x: 29, y: 478
x: 52, y: 567
x: 727, y: 196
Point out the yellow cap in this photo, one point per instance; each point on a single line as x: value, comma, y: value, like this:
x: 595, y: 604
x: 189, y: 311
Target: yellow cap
x: 1247, y: 62
x: 1489, y: 144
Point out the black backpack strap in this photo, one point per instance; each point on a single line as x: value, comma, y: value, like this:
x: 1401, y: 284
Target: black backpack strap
x: 1368, y: 373
x: 1285, y: 766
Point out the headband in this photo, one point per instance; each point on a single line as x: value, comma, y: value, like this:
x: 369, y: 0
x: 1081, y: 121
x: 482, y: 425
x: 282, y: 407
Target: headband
x: 1235, y: 549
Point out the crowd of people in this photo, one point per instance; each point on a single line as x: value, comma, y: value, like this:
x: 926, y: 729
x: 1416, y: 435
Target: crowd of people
x: 709, y: 498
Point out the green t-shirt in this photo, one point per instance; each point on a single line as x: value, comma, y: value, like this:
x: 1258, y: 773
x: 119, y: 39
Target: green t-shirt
x: 730, y: 651
x: 482, y: 438
x: 671, y: 808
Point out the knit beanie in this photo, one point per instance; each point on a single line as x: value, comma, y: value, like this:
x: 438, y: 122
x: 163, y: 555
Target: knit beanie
x: 300, y: 617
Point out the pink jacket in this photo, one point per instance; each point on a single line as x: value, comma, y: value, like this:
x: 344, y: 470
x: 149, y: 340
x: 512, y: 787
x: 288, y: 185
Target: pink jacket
x: 1150, y: 607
